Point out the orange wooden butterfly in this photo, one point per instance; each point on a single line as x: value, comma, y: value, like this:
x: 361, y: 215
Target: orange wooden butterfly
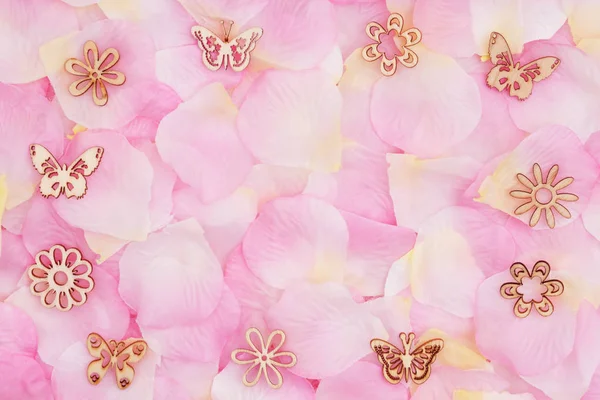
x: 506, y: 74
x: 59, y: 179
x: 120, y: 355
x: 407, y: 364
x: 234, y: 53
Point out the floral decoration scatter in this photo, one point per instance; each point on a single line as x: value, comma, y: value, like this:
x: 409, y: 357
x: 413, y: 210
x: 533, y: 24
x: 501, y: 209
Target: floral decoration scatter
x: 253, y: 199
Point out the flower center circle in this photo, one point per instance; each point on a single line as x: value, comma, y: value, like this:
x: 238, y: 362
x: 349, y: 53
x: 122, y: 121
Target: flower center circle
x: 532, y: 289
x: 543, y: 196
x: 95, y: 75
x: 264, y: 358
x: 391, y: 44
x: 61, y: 278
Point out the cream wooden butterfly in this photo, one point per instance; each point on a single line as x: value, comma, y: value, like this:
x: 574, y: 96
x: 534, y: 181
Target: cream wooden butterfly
x: 59, y: 179
x: 407, y: 364
x: 234, y: 53
x: 506, y: 74
x: 120, y: 355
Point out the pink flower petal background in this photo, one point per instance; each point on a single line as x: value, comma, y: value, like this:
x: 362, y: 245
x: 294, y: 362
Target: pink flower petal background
x: 306, y: 193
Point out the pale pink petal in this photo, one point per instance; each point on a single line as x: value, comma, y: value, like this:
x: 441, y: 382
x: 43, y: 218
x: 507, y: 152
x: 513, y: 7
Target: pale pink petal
x: 568, y: 97
x: 591, y: 215
x: 570, y: 380
x: 394, y: 313
x: 581, y: 18
x: 23, y: 28
x: 529, y: 345
x: 199, y: 140
x: 362, y: 185
x: 398, y: 278
x: 239, y: 11
x: 423, y: 317
x: 422, y: 187
x: 180, y: 380
x: 300, y: 42
x: 350, y: 15
x: 171, y: 278
x: 372, y: 249
x: 593, y: 392
x: 355, y: 87
x: 228, y: 385
x: 553, y: 145
x: 136, y: 50
x: 27, y: 118
x: 124, y: 176
x: 22, y: 377
x: 446, y: 26
x: 297, y: 239
x: 427, y: 109
x: 225, y: 221
x: 469, y: 247
x: 163, y: 182
x: 445, y: 382
x: 69, y: 377
x: 104, y: 313
x: 13, y: 263
x: 292, y: 119
x: 327, y: 330
x: 253, y: 294
x: 182, y: 69
x: 17, y: 333
x: 363, y: 380
x: 81, y: 3
x: 271, y: 181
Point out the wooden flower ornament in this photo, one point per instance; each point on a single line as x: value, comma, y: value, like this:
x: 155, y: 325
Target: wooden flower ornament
x: 61, y: 278
x: 120, y: 355
x: 264, y: 358
x: 59, y: 179
x: 234, y: 53
x: 392, y: 53
x: 532, y: 289
x: 404, y: 363
x: 96, y: 72
x: 542, y: 195
x: 506, y: 74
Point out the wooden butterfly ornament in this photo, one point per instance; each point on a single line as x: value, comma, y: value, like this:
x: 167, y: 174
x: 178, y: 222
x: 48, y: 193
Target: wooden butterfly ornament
x: 120, y: 355
x: 234, y: 53
x: 518, y: 79
x: 59, y: 179
x: 405, y: 364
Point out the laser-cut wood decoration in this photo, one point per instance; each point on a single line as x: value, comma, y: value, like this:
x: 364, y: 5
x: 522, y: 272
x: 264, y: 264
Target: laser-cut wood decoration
x: 112, y: 354
x: 96, y: 72
x: 538, y: 276
x: 404, y: 363
x: 61, y: 278
x: 262, y: 356
x: 404, y: 55
x: 59, y: 179
x: 234, y: 53
x: 507, y: 75
x: 543, y: 195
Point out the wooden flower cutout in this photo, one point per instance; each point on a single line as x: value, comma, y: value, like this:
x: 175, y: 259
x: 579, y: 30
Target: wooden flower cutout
x: 543, y: 195
x: 404, y: 363
x: 61, y: 278
x: 264, y: 358
x: 532, y: 289
x: 392, y: 53
x: 120, y: 355
x: 58, y: 179
x: 96, y: 72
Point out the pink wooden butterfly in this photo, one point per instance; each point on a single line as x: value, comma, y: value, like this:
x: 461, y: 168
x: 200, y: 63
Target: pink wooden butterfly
x: 234, y: 53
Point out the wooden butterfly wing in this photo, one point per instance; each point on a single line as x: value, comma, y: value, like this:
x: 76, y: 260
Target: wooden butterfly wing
x: 75, y: 184
x: 45, y: 163
x: 241, y: 46
x: 500, y: 55
x: 99, y: 349
x: 390, y: 358
x: 423, y: 356
x: 131, y: 354
x: 215, y: 52
x: 535, y: 71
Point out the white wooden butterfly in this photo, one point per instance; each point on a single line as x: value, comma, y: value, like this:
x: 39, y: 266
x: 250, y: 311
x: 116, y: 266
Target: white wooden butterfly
x: 405, y: 364
x: 59, y: 179
x: 227, y: 52
x: 506, y: 74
